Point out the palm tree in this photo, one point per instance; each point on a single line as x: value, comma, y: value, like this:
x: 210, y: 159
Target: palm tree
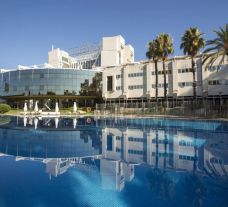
x: 219, y: 47
x: 191, y: 43
x: 161, y: 183
x: 194, y: 190
x: 152, y: 53
x: 165, y: 42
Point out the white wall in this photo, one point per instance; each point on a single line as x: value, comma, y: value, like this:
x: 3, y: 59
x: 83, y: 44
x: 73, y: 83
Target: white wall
x: 128, y: 54
x: 114, y: 51
x: 55, y: 58
x: 174, y: 80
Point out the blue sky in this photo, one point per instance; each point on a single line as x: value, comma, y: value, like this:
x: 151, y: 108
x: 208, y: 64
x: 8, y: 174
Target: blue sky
x: 28, y: 28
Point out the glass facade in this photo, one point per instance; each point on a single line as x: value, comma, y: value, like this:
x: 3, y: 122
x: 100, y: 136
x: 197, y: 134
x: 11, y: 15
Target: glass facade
x: 47, y: 82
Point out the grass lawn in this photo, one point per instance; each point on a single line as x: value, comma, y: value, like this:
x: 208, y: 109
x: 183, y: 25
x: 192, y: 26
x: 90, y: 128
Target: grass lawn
x: 62, y: 112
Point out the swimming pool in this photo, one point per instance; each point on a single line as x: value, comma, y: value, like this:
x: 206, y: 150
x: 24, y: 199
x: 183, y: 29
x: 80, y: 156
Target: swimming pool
x: 113, y: 162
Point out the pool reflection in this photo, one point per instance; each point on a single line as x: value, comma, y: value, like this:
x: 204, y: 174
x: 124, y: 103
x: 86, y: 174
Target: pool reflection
x: 116, y: 147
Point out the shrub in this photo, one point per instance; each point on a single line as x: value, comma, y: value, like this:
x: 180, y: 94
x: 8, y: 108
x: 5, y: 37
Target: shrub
x: 4, y: 119
x: 4, y: 108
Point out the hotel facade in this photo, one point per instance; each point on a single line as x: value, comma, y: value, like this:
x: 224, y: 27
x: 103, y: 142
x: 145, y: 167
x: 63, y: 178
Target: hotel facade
x: 71, y: 75
x: 136, y: 81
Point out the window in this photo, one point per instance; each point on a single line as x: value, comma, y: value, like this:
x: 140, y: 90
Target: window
x: 161, y: 85
x: 41, y: 87
x: 64, y: 59
x: 213, y: 68
x: 186, y: 143
x: 6, y: 87
x: 136, y: 152
x: 132, y: 87
x: 134, y: 139
x: 14, y: 88
x: 109, y: 143
x: 26, y: 88
x: 185, y: 70
x: 41, y: 75
x: 216, y: 160
x: 119, y: 76
x: 118, y: 149
x: 187, y: 157
x: 161, y: 72
x: 226, y: 82
x: 183, y: 84
x: 119, y: 88
x: 109, y: 83
x: 119, y: 138
x: 213, y: 82
x: 135, y: 75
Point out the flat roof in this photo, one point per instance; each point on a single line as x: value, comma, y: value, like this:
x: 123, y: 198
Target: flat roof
x: 10, y: 70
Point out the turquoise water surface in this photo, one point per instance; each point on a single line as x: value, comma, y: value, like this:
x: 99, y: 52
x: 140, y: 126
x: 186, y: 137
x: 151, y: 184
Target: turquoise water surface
x: 97, y: 161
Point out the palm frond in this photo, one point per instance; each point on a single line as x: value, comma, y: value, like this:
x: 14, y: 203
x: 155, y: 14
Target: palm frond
x: 221, y: 61
x: 192, y: 41
x: 218, y: 47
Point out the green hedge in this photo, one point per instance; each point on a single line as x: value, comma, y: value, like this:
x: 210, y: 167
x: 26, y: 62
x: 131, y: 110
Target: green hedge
x: 4, y: 108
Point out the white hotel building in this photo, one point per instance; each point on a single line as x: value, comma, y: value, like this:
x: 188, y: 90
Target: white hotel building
x: 136, y: 81
x: 123, y: 78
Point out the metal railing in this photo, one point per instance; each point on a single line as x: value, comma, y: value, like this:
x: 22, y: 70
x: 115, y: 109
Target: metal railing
x: 199, y: 108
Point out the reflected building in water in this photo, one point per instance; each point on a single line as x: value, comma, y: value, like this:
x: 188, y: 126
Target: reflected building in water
x: 116, y: 147
x: 201, y: 148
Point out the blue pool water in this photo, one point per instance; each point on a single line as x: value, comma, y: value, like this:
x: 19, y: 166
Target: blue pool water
x: 113, y: 162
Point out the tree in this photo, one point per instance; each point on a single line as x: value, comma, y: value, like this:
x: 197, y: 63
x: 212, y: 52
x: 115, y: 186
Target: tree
x: 94, y: 88
x: 165, y: 44
x: 191, y: 43
x: 161, y: 184
x: 218, y: 47
x: 194, y: 190
x: 4, y: 108
x: 153, y: 54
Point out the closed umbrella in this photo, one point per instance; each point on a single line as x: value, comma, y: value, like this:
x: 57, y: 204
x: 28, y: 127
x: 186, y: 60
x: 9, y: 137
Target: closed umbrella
x: 35, y: 123
x: 56, y: 122
x: 56, y: 108
x: 25, y: 121
x: 36, y: 109
x: 25, y: 107
x: 75, y: 107
x: 74, y: 123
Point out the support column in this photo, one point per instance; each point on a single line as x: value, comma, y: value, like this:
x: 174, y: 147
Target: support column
x: 125, y: 146
x: 149, y: 148
x: 104, y: 142
x: 148, y: 77
x: 175, y: 78
x: 125, y: 82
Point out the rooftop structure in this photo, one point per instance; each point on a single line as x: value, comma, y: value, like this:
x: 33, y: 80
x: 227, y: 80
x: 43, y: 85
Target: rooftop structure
x: 112, y: 51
